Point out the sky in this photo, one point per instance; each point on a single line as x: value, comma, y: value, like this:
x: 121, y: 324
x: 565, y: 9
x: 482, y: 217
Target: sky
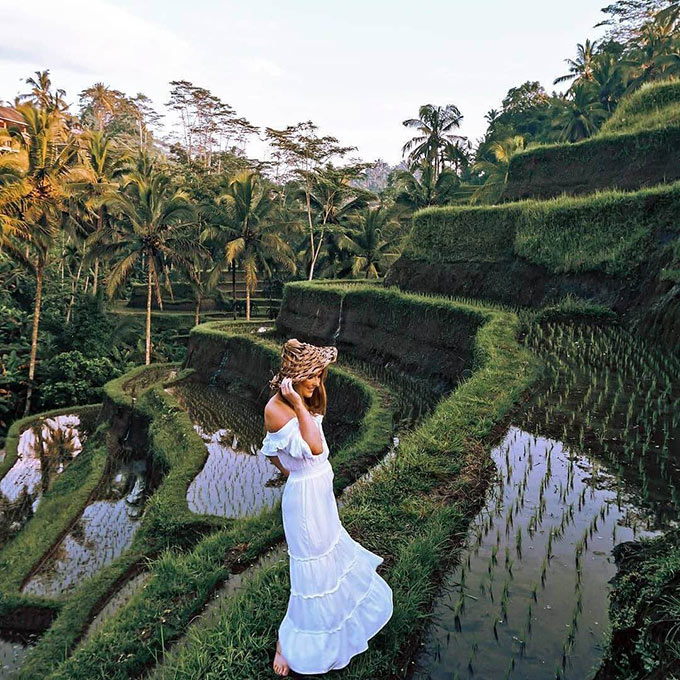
x: 357, y: 68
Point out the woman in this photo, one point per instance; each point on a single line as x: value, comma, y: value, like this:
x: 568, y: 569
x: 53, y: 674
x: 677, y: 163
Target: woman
x: 337, y: 600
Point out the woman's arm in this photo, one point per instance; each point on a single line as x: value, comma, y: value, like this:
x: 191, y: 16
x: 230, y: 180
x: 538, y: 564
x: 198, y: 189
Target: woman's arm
x: 308, y: 429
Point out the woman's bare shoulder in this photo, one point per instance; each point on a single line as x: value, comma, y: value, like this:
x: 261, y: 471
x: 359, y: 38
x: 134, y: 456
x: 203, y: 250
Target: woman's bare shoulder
x: 277, y: 414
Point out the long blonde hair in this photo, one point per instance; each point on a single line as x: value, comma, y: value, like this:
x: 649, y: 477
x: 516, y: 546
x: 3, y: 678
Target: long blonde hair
x: 318, y: 402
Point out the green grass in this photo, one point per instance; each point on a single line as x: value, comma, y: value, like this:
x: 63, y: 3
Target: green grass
x: 571, y: 308
x: 672, y: 275
x: 412, y: 513
x: 645, y: 612
x: 653, y: 105
x: 612, y: 232
x: 182, y: 579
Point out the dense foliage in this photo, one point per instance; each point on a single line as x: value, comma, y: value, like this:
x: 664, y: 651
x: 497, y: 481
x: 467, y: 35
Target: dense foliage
x: 613, y: 232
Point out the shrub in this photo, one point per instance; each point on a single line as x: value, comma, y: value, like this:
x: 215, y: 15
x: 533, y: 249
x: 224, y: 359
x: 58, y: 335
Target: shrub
x: 71, y: 378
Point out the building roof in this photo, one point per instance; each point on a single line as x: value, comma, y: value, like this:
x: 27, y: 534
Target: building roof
x: 10, y: 115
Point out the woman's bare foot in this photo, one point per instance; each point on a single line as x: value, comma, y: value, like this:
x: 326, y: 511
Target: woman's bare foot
x: 280, y: 664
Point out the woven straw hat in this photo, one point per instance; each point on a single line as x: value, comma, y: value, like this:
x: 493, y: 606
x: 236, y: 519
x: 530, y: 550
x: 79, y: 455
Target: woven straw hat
x: 300, y: 360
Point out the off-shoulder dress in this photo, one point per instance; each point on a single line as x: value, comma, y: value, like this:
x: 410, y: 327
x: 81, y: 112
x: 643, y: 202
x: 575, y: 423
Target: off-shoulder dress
x: 337, y: 600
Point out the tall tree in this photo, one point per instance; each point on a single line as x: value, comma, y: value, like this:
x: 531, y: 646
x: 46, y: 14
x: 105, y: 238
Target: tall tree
x: 369, y: 242
x: 435, y: 140
x: 333, y: 197
x: 626, y: 17
x: 207, y: 123
x: 96, y: 180
x: 580, y: 69
x: 102, y: 103
x: 580, y: 116
x: 42, y: 95
x: 655, y: 52
x: 256, y: 245
x: 47, y: 156
x: 300, y: 153
x: 151, y: 231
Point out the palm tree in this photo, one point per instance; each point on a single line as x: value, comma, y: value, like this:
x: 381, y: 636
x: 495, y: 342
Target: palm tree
x: 257, y: 243
x: 41, y: 94
x: 434, y: 123
x: 12, y: 189
x: 372, y: 253
x: 332, y: 198
x: 150, y: 230
x: 580, y: 116
x: 657, y: 54
x: 96, y: 179
x: 422, y: 189
x: 580, y: 69
x: 496, y: 172
x: 103, y: 100
x: 609, y: 77
x: 45, y: 162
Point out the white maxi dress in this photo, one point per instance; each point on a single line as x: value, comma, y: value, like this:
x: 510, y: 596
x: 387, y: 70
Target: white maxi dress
x: 337, y: 600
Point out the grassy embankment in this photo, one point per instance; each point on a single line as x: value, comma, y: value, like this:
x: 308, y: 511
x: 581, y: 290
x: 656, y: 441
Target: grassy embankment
x: 180, y: 580
x: 413, y: 512
x: 637, y: 147
x: 611, y: 232
x: 654, y: 105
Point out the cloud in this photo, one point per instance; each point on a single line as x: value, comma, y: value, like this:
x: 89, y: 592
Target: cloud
x: 257, y: 66
x: 90, y: 37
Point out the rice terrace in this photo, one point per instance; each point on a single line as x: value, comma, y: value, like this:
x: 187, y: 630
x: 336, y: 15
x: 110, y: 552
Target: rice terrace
x: 503, y: 417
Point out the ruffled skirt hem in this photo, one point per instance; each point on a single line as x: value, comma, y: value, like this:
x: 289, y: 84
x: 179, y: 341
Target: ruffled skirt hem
x: 311, y: 652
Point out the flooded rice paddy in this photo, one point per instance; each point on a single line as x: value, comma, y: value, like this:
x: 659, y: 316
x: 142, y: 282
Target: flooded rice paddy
x: 44, y: 451
x: 235, y: 481
x: 103, y: 531
x: 13, y: 651
x: 592, y: 462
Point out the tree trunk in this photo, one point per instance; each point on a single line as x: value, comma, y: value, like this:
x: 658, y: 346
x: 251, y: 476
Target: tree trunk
x: 34, y: 335
x: 247, y: 302
x: 100, y: 225
x: 74, y: 287
x: 95, y: 280
x: 147, y: 358
x: 311, y: 235
x: 197, y: 318
x: 233, y: 287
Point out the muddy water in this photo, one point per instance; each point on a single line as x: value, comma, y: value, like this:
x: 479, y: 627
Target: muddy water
x: 13, y: 652
x: 44, y: 451
x: 235, y: 481
x: 592, y: 462
x: 532, y: 588
x: 103, y: 532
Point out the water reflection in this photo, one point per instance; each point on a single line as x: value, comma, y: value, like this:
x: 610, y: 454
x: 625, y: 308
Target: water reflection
x: 44, y: 451
x: 530, y: 597
x: 13, y: 651
x: 234, y: 481
x: 103, y: 532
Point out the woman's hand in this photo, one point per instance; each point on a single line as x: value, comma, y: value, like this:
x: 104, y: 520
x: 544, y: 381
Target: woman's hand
x: 290, y: 395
